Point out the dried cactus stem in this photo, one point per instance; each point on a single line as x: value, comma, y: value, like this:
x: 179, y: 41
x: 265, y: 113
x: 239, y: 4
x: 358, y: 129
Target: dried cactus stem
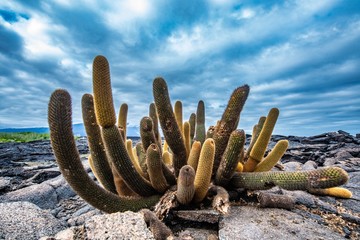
x: 185, y: 185
x: 68, y: 159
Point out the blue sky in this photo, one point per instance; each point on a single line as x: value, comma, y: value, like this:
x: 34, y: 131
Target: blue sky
x: 300, y: 56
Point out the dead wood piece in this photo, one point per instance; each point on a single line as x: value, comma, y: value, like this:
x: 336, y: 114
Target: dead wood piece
x: 167, y: 202
x: 206, y: 216
x: 220, y: 200
x: 271, y: 200
x: 157, y: 227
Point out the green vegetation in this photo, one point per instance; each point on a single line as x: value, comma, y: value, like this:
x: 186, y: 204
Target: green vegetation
x: 22, y: 137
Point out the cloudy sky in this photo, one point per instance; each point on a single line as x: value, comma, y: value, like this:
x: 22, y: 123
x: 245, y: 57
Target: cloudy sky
x: 300, y: 56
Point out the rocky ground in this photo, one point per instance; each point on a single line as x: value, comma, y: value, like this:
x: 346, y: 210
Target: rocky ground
x: 36, y: 202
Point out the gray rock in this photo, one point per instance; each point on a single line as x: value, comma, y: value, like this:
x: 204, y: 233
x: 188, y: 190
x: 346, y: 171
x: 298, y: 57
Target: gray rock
x: 127, y: 225
x: 24, y: 220
x: 45, y: 195
x: 264, y: 223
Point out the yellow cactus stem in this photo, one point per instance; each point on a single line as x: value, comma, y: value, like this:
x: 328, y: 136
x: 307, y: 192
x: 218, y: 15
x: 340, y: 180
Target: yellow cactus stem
x: 133, y: 159
x: 200, y: 132
x: 298, y: 180
x: 187, y: 139
x: 258, y: 151
x: 204, y: 170
x: 168, y: 124
x: 192, y: 122
x: 178, y: 110
x: 167, y: 158
x: 147, y: 133
x: 185, y: 185
x: 273, y: 157
x: 165, y: 146
x: 239, y: 167
x: 194, y: 155
x: 153, y: 161
x: 122, y: 119
x: 255, y: 134
x: 104, y: 105
x: 98, y: 159
x: 154, y: 117
x: 230, y: 158
x: 68, y: 159
x: 334, y: 192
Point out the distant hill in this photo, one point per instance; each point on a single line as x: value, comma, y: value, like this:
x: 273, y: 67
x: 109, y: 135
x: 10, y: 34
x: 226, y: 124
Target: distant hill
x: 78, y: 130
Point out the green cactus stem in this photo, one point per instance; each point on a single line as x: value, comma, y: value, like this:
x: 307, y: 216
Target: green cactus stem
x: 192, y: 121
x: 229, y: 122
x: 154, y: 117
x: 154, y: 164
x: 148, y: 138
x: 204, y: 170
x: 168, y: 124
x: 178, y: 110
x: 104, y: 105
x: 186, y: 129
x: 122, y: 119
x: 258, y: 151
x: 273, y: 157
x: 100, y: 163
x: 299, y: 180
x: 185, y: 185
x: 118, y: 155
x: 200, y: 132
x: 68, y: 159
x: 230, y: 158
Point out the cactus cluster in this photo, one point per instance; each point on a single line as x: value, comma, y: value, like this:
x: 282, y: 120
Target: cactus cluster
x: 133, y: 178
